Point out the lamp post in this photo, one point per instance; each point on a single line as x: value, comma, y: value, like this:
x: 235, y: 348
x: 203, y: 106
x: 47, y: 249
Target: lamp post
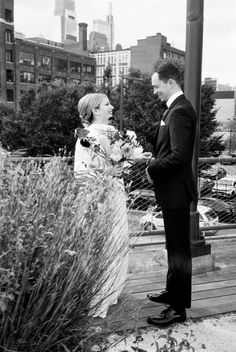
x: 121, y: 102
x: 192, y: 88
x: 122, y: 78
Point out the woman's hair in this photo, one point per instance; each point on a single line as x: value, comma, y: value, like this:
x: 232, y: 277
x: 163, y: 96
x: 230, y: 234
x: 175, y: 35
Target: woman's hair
x: 87, y: 104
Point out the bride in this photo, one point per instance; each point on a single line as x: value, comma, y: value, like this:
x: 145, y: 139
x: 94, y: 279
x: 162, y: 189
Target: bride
x: 95, y: 112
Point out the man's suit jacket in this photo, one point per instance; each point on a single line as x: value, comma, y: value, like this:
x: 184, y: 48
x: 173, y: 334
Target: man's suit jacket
x: 171, y: 170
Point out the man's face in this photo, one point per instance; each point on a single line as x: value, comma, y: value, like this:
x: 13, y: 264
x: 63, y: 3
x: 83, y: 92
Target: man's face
x: 163, y: 89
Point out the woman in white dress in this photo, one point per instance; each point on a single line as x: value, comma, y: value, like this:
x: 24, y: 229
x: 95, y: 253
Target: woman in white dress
x: 95, y: 112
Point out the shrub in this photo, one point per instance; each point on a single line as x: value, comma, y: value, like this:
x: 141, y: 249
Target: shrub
x: 54, y: 247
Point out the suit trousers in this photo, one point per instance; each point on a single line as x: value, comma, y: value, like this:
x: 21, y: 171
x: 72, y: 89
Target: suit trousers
x: 179, y: 275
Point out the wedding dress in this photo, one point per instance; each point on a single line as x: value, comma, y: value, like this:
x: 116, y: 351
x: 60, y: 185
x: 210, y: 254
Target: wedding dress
x: 112, y: 285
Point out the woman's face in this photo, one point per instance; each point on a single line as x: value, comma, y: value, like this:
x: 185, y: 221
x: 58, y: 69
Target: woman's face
x: 104, y: 112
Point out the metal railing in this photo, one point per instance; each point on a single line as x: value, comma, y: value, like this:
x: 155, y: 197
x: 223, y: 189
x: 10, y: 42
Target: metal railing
x: 216, y: 204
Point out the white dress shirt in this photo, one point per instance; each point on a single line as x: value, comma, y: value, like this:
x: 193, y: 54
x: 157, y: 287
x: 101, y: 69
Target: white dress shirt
x: 173, y: 97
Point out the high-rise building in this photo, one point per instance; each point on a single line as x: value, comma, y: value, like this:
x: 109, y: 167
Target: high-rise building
x: 97, y: 42
x: 26, y: 62
x: 106, y: 27
x: 65, y: 28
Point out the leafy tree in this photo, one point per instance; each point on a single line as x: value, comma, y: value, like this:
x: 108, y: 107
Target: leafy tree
x: 107, y: 81
x: 208, y: 124
x: 231, y: 141
x: 47, y: 119
x: 10, y: 129
x: 142, y: 110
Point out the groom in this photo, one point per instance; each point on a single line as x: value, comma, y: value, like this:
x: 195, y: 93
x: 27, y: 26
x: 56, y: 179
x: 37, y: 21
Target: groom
x: 171, y: 174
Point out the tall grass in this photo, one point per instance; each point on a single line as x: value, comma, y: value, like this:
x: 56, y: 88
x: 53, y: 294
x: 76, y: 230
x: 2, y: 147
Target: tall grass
x: 55, y: 249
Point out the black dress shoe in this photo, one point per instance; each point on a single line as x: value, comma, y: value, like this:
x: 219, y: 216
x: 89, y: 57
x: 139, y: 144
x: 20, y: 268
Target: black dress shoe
x: 163, y: 297
x: 166, y: 317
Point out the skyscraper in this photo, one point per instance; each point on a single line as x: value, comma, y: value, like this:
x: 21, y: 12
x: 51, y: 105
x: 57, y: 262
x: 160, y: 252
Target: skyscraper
x: 65, y: 23
x: 106, y: 27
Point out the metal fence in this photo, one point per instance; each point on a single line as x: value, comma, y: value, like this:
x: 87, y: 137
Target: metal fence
x: 216, y: 201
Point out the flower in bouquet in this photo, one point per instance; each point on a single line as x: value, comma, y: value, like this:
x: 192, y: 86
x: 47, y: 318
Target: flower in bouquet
x: 123, y: 146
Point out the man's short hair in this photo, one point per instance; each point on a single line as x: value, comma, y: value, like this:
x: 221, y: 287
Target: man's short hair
x: 168, y: 70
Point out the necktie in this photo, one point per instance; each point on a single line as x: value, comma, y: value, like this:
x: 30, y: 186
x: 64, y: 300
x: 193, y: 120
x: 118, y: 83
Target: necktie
x: 165, y: 113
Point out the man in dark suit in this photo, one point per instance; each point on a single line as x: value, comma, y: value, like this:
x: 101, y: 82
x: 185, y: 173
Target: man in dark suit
x: 172, y: 177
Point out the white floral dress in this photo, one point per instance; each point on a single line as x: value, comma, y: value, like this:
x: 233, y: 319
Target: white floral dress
x: 85, y: 160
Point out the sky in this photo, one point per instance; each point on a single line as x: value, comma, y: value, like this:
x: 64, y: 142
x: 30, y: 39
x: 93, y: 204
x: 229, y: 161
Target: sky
x: 138, y: 19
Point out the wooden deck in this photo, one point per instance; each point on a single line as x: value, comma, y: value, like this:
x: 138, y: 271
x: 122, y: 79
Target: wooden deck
x: 213, y: 292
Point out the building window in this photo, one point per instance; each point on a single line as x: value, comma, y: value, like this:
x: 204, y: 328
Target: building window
x: 8, y: 15
x: 75, y: 67
x: 9, y: 36
x: 9, y: 75
x: 26, y: 59
x: 27, y: 77
x: 10, y: 95
x: 9, y: 56
x: 44, y: 78
x: 44, y: 61
x: 61, y: 65
x: 88, y: 69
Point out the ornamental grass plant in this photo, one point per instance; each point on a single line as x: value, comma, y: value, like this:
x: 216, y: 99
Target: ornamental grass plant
x: 54, y: 254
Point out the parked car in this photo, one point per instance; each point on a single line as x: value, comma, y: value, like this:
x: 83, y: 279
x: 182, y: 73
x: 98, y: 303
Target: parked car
x: 227, y: 160
x: 154, y: 220
x: 224, y: 210
x: 205, y: 186
x: 142, y: 199
x: 214, y: 173
x: 225, y: 188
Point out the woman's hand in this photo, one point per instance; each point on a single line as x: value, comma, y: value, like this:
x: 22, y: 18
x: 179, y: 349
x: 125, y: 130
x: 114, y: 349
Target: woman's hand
x: 116, y: 170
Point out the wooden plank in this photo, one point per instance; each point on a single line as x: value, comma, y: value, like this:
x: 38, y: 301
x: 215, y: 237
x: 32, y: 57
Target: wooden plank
x: 144, y: 278
x: 207, y: 308
x: 209, y: 304
x: 135, y: 323
x: 213, y: 293
x: 156, y: 287
x: 197, y: 295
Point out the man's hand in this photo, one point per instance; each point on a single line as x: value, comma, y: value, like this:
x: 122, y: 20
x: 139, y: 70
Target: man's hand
x: 146, y: 156
x: 148, y: 177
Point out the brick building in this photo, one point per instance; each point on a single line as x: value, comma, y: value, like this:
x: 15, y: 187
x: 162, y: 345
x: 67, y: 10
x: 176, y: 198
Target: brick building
x: 150, y: 50
x: 141, y: 56
x: 24, y: 63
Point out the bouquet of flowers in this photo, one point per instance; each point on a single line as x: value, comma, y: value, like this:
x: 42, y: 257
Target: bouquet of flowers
x: 118, y: 147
